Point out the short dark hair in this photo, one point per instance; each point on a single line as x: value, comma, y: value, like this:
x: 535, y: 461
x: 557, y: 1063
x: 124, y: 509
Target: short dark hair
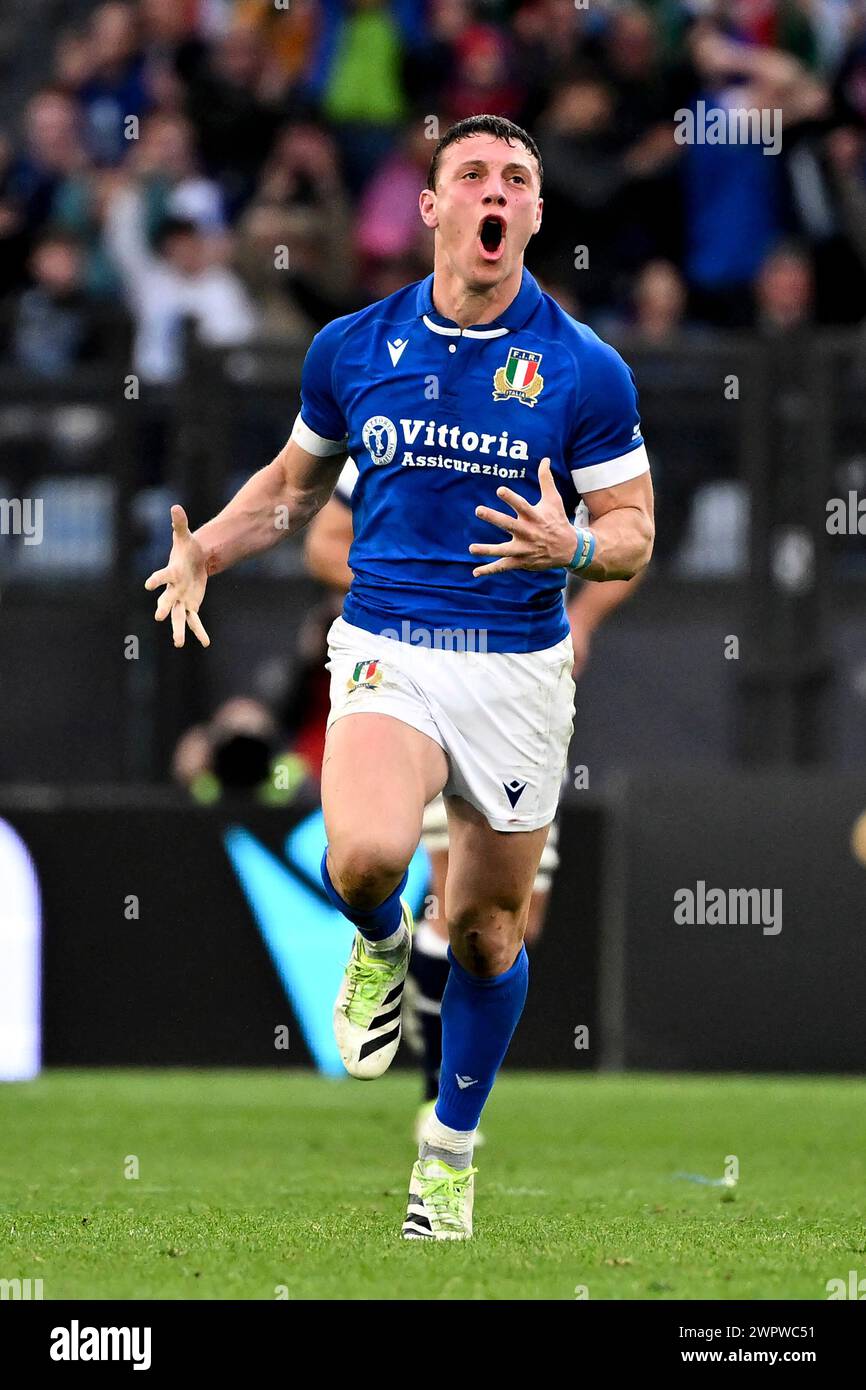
x: 172, y: 227
x: 497, y: 126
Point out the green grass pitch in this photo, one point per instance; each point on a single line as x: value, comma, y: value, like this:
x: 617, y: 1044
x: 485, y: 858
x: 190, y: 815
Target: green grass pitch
x: 260, y: 1185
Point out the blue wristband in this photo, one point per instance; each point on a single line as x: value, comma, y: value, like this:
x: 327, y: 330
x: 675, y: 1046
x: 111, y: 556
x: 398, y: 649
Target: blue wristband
x: 583, y: 556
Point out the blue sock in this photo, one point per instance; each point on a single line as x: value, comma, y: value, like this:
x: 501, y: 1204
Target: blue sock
x: 479, y: 1017
x: 374, y: 923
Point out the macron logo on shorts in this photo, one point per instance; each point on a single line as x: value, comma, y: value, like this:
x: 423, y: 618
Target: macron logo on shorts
x: 514, y: 790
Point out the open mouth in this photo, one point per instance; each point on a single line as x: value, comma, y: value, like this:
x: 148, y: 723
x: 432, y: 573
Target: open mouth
x: 491, y: 237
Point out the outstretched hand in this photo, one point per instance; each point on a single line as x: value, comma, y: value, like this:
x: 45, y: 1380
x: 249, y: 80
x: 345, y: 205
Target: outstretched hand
x: 185, y: 579
x: 542, y: 537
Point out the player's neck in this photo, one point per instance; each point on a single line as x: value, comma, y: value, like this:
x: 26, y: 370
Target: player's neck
x: 457, y: 301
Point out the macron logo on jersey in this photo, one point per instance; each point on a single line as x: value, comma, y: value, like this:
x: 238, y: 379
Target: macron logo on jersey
x: 396, y: 349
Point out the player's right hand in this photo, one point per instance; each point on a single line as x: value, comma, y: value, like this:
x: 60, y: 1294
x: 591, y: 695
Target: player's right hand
x: 185, y: 579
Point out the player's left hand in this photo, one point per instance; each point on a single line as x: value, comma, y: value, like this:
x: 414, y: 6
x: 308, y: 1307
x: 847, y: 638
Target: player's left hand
x: 542, y: 537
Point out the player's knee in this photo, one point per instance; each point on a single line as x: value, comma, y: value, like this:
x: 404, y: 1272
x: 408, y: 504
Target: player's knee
x: 366, y: 870
x: 486, y: 940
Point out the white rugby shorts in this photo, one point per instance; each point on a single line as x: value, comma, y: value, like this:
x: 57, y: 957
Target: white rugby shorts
x: 504, y: 719
x: 434, y: 836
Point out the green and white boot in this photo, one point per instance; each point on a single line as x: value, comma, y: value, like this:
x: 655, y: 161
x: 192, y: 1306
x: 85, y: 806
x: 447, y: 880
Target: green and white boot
x: 367, y: 1012
x: 440, y: 1201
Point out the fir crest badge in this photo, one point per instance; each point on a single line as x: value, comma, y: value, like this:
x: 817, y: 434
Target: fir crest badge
x: 519, y: 379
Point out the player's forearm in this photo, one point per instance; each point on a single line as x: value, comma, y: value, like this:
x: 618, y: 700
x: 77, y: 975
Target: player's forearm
x: 263, y: 512
x: 623, y: 544
x: 590, y: 605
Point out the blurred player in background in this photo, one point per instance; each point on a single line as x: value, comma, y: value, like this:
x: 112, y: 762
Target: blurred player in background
x: 328, y: 540
x: 437, y: 393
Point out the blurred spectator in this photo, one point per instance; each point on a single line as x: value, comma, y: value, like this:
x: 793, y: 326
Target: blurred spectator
x: 631, y: 60
x: 646, y: 97
x: 659, y: 300
x: 656, y: 316
x: 427, y: 63
x: 388, y: 224
x: 289, y: 33
x: 178, y: 278
x: 358, y: 78
x: 55, y: 324
x: 105, y: 70
x: 303, y: 170
x: 484, y: 76
x: 785, y: 292
x: 295, y: 268
x: 550, y: 36
x: 53, y: 151
x: 270, y: 239
x: 734, y: 191
x: 313, y: 258
x: 233, y: 102
x: 166, y: 157
x: 238, y: 755
x: 164, y: 160
x: 173, y: 50
x: 583, y: 176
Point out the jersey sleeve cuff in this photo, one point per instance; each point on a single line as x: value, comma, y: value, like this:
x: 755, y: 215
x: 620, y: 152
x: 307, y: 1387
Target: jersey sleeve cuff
x: 612, y: 471
x: 346, y: 482
x: 316, y: 443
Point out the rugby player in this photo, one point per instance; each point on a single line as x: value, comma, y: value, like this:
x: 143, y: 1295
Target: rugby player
x: 478, y: 413
x: 327, y: 543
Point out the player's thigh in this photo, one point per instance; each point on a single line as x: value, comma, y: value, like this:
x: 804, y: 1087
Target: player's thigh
x: 378, y: 773
x: 491, y: 874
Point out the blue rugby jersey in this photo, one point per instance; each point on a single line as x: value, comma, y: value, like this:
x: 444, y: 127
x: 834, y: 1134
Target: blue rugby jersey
x: 436, y: 418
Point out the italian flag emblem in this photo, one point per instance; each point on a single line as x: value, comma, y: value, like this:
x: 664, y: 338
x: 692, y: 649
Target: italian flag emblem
x: 366, y: 675
x: 520, y: 378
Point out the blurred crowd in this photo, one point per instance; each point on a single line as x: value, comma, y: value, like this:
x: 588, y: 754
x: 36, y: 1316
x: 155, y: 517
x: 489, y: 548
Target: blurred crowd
x: 252, y: 168
x: 254, y: 165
